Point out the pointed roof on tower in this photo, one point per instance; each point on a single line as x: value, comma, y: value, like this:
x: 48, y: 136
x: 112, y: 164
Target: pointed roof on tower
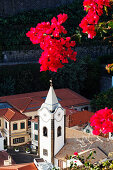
x: 51, y: 101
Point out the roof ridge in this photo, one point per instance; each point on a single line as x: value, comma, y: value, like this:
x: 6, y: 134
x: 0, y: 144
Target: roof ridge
x: 15, y: 107
x: 26, y: 105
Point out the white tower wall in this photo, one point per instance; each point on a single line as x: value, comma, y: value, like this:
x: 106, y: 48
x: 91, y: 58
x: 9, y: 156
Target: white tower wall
x: 51, y: 116
x: 45, y: 142
x: 58, y: 121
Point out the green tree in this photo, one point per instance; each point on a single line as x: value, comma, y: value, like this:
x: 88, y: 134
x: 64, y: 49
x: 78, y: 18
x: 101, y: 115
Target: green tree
x: 71, y: 76
x: 7, y: 86
x: 82, y: 76
x: 92, y: 81
x: 102, y: 100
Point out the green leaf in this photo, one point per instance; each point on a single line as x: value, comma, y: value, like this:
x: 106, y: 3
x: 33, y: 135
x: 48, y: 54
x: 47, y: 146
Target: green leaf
x: 89, y: 155
x: 110, y: 24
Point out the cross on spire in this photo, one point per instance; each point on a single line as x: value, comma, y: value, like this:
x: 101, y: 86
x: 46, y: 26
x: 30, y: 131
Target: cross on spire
x: 51, y: 82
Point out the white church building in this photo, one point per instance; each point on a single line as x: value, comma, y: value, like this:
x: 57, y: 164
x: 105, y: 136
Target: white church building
x: 51, y: 127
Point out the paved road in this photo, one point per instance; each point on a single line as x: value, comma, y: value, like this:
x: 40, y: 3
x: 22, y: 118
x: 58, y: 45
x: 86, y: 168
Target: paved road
x: 23, y: 157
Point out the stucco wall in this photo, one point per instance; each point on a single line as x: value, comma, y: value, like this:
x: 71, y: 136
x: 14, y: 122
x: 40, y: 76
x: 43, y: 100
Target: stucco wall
x: 2, y: 123
x: 26, y: 136
x: 19, y: 132
x: 31, y: 114
x: 33, y: 133
x: 58, y: 121
x: 18, y: 122
x: 1, y: 143
x: 45, y: 142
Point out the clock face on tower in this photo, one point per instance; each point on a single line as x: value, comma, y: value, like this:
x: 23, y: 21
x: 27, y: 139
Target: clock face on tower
x: 45, y: 115
x: 59, y: 115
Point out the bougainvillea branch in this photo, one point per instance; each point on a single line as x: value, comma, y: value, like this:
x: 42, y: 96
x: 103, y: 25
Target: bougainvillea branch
x: 56, y: 48
x: 95, y: 10
x: 102, y: 121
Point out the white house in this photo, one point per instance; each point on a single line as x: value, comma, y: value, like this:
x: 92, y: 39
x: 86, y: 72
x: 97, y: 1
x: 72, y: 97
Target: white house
x: 34, y: 133
x: 1, y: 142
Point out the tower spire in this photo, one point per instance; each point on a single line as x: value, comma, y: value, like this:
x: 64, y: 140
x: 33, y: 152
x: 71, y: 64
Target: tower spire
x: 51, y: 101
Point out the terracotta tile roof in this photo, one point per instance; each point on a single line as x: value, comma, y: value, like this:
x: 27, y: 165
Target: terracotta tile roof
x: 2, y: 112
x: 9, y: 114
x: 26, y: 166
x: 74, y: 117
x: 32, y: 101
x: 20, y: 104
x: 18, y: 116
x: 12, y: 114
x: 34, y: 105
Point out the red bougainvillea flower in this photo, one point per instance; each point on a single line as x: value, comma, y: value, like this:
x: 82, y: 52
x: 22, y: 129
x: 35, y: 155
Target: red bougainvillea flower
x: 76, y: 153
x: 102, y: 121
x: 95, y: 10
x: 56, y: 49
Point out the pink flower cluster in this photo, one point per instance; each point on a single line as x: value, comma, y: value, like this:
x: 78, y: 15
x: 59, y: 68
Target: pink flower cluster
x: 95, y: 10
x: 76, y: 153
x: 102, y: 121
x: 56, y: 49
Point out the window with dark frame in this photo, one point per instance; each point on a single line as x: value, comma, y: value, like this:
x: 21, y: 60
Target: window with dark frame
x: 44, y: 131
x: 22, y: 125
x: 18, y: 140
x: 87, y: 131
x: 36, y: 137
x: 59, y: 131
x: 36, y: 126
x: 0, y: 122
x: 6, y: 125
x: 15, y: 126
x: 29, y: 121
x: 45, y: 152
x: 111, y: 134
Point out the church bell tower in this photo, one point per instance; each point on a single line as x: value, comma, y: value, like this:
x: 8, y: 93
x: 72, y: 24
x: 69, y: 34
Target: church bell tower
x: 51, y: 127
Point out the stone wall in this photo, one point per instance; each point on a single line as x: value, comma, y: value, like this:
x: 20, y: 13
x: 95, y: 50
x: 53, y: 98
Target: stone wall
x: 33, y: 55
x: 11, y: 7
x: 94, y: 51
x: 21, y: 56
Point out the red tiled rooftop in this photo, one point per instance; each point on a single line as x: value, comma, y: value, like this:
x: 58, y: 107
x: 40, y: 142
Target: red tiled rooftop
x: 26, y: 166
x: 74, y: 118
x: 32, y: 101
x: 12, y: 114
x: 2, y: 112
x: 20, y: 104
x: 9, y: 114
x: 18, y: 116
